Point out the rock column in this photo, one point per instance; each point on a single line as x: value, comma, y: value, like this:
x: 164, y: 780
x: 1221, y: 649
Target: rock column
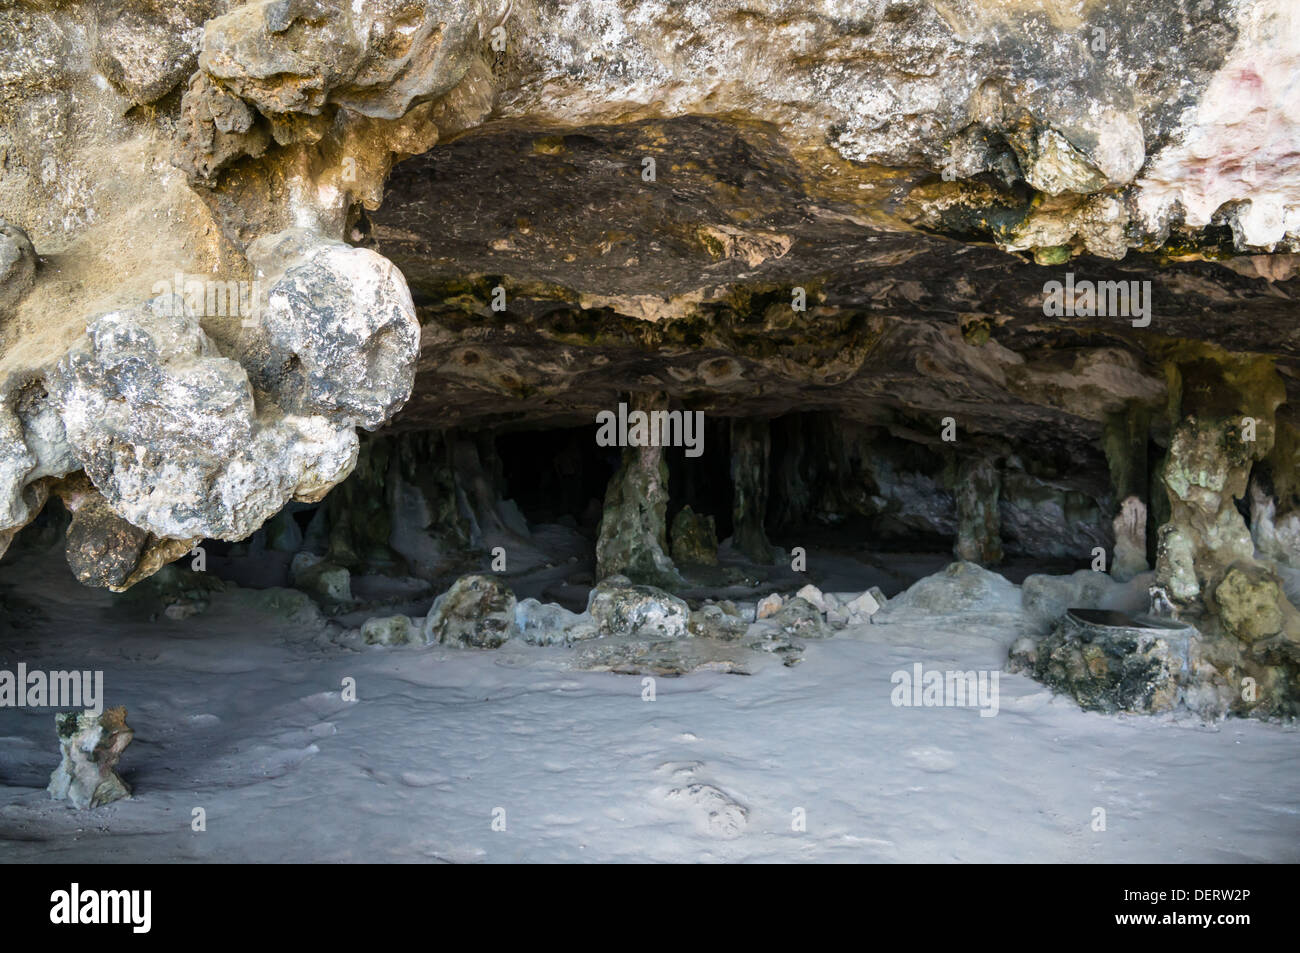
x: 751, y: 446
x: 1125, y: 443
x: 978, y: 525
x: 633, y: 536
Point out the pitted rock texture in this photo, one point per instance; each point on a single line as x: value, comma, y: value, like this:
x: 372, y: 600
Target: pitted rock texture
x: 169, y: 432
x: 338, y: 336
x: 91, y: 745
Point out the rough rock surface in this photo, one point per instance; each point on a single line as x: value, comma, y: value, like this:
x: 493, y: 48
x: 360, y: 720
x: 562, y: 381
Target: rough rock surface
x: 830, y: 228
x: 620, y: 608
x: 477, y: 611
x: 1119, y: 667
x: 961, y: 588
x: 91, y: 744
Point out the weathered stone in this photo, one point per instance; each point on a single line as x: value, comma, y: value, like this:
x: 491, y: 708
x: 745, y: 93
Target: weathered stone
x: 962, y: 588
x: 694, y: 538
x: 321, y: 578
x: 551, y: 624
x: 390, y: 630
x: 865, y: 605
x: 978, y: 524
x: 633, y: 528
x: 102, y: 548
x: 811, y: 594
x: 714, y: 622
x: 17, y: 265
x: 1249, y: 602
x: 800, y: 619
x: 91, y: 745
x: 337, y: 336
x: 1107, y: 661
x: 769, y: 605
x: 477, y: 612
x: 619, y: 608
x: 169, y: 432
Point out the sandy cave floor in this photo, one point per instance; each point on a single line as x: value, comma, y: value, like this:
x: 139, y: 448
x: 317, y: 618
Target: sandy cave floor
x: 239, y: 711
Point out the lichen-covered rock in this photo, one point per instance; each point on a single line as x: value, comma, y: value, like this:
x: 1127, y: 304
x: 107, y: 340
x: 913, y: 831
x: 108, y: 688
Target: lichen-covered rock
x: 619, y: 608
x: 477, y: 611
x: 1110, y: 662
x: 694, y: 538
x: 390, y: 630
x: 91, y: 744
x: 1249, y: 602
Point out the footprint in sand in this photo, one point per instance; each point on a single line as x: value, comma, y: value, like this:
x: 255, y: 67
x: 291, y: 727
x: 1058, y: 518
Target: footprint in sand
x: 932, y: 759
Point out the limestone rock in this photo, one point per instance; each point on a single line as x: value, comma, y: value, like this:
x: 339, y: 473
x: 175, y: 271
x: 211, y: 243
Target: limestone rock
x: 390, y: 630
x: 963, y: 588
x: 551, y: 624
x: 338, y: 336
x: 91, y: 745
x: 714, y: 622
x: 619, y: 608
x: 978, y: 523
x: 633, y: 537
x: 1249, y: 603
x: 321, y: 578
x: 769, y: 605
x: 1109, y: 662
x: 814, y: 596
x: 477, y: 612
x: 169, y: 432
x: 694, y: 538
x: 17, y: 265
x: 798, y: 618
x: 865, y: 606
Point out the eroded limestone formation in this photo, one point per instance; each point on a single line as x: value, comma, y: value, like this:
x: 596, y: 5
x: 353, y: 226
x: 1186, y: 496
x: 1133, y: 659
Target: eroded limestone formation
x: 91, y: 744
x: 231, y: 235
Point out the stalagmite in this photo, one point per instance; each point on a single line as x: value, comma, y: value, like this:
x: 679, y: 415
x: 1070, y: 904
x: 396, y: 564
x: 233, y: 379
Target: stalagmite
x: 1125, y: 442
x: 751, y: 446
x: 978, y: 524
x: 633, y: 528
